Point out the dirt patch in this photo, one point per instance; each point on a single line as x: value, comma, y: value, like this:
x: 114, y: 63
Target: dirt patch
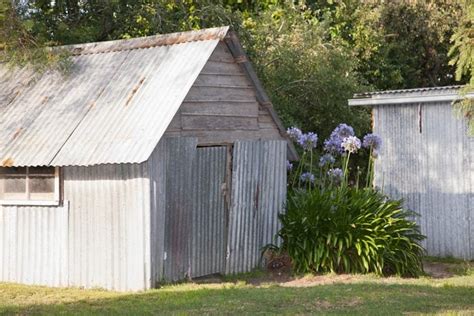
x: 280, y: 274
x: 439, y: 270
x: 309, y: 281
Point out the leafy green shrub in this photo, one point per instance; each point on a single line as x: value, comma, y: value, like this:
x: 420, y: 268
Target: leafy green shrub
x: 350, y: 230
x: 337, y: 224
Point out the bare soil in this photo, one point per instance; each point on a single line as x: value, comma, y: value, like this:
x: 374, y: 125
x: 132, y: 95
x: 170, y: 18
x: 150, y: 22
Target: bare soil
x: 438, y: 270
x: 283, y: 276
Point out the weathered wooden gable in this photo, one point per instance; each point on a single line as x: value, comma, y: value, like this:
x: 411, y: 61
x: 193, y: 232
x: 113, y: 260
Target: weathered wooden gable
x: 222, y: 105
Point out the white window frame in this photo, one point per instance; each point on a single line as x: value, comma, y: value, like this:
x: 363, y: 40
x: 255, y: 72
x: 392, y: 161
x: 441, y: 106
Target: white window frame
x: 27, y: 202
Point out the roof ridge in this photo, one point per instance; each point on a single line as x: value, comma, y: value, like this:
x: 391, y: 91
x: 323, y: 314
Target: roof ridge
x: 216, y: 33
x: 410, y: 90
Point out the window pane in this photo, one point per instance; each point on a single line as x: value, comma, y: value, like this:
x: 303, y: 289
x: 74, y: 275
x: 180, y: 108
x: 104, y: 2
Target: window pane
x: 41, y: 170
x: 41, y: 188
x: 12, y: 170
x: 13, y: 188
x: 15, y: 184
x: 41, y: 184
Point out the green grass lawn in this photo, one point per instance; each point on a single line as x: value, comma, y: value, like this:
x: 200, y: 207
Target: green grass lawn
x: 259, y: 293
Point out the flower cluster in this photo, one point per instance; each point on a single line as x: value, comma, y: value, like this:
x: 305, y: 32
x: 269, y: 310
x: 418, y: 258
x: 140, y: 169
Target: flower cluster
x: 374, y: 142
x: 326, y: 159
x: 307, y: 141
x: 333, y: 143
x: 351, y: 144
x: 343, y: 130
x: 294, y: 133
x: 307, y: 177
x: 336, y: 174
x: 338, y: 149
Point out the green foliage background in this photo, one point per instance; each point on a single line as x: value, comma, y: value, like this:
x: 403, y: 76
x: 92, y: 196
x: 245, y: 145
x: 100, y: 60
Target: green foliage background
x: 311, y: 55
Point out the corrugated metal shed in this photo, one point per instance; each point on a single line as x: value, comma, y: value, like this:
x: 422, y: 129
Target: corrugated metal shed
x: 113, y: 108
x: 428, y: 161
x: 139, y: 207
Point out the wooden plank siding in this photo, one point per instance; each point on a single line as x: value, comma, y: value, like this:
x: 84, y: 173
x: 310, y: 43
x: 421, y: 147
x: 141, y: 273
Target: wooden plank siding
x: 222, y: 105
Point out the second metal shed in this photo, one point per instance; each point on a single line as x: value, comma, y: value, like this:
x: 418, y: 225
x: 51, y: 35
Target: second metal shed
x: 428, y: 160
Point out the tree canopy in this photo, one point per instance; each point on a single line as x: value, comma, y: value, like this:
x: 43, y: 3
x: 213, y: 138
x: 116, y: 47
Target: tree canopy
x: 311, y: 55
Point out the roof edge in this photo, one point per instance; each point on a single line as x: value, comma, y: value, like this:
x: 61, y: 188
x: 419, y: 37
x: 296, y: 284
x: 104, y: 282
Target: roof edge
x: 232, y: 41
x: 216, y: 33
x: 448, y: 94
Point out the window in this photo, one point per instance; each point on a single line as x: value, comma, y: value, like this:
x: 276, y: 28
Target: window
x: 29, y: 185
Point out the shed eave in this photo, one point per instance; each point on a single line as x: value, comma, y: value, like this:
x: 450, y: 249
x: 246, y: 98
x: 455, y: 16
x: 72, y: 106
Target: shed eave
x: 388, y: 100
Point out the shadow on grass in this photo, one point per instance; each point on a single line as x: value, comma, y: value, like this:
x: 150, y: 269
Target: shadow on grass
x: 361, y: 298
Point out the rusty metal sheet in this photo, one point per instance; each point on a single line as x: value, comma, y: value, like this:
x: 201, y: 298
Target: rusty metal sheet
x: 113, y: 108
x: 258, y: 195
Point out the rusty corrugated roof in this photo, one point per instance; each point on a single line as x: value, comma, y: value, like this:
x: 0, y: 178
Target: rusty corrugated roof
x: 415, y: 96
x: 404, y: 91
x: 113, y: 108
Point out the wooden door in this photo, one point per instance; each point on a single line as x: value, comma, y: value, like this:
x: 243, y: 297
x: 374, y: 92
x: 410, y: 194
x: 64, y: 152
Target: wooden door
x: 209, y: 232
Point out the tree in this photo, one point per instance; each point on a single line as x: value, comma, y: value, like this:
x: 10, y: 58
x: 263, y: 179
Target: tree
x: 312, y: 55
x: 19, y: 46
x: 462, y: 53
x: 308, y: 78
x: 398, y: 44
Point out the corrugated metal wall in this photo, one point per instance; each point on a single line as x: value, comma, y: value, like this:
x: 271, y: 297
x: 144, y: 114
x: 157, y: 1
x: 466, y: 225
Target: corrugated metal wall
x: 171, y: 173
x: 99, y: 238
x: 273, y: 189
x: 258, y: 190
x: 189, y: 213
x: 34, y: 245
x: 129, y: 226
x: 157, y: 172
x: 109, y: 226
x: 209, y: 233
x: 180, y: 155
x: 428, y: 160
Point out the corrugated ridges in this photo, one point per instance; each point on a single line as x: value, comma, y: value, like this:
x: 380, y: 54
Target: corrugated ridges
x: 208, y: 245
x: 217, y: 33
x: 427, y: 160
x: 113, y: 108
x: 180, y: 155
x: 109, y: 226
x: 258, y: 192
x: 34, y: 245
x: 403, y: 91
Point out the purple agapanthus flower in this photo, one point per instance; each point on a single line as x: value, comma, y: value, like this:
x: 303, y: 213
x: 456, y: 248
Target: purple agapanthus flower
x: 343, y: 130
x: 289, y: 165
x: 372, y: 141
x: 294, y: 133
x: 351, y: 144
x: 326, y: 159
x: 333, y: 143
x: 308, y: 141
x: 307, y: 177
x: 336, y: 174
